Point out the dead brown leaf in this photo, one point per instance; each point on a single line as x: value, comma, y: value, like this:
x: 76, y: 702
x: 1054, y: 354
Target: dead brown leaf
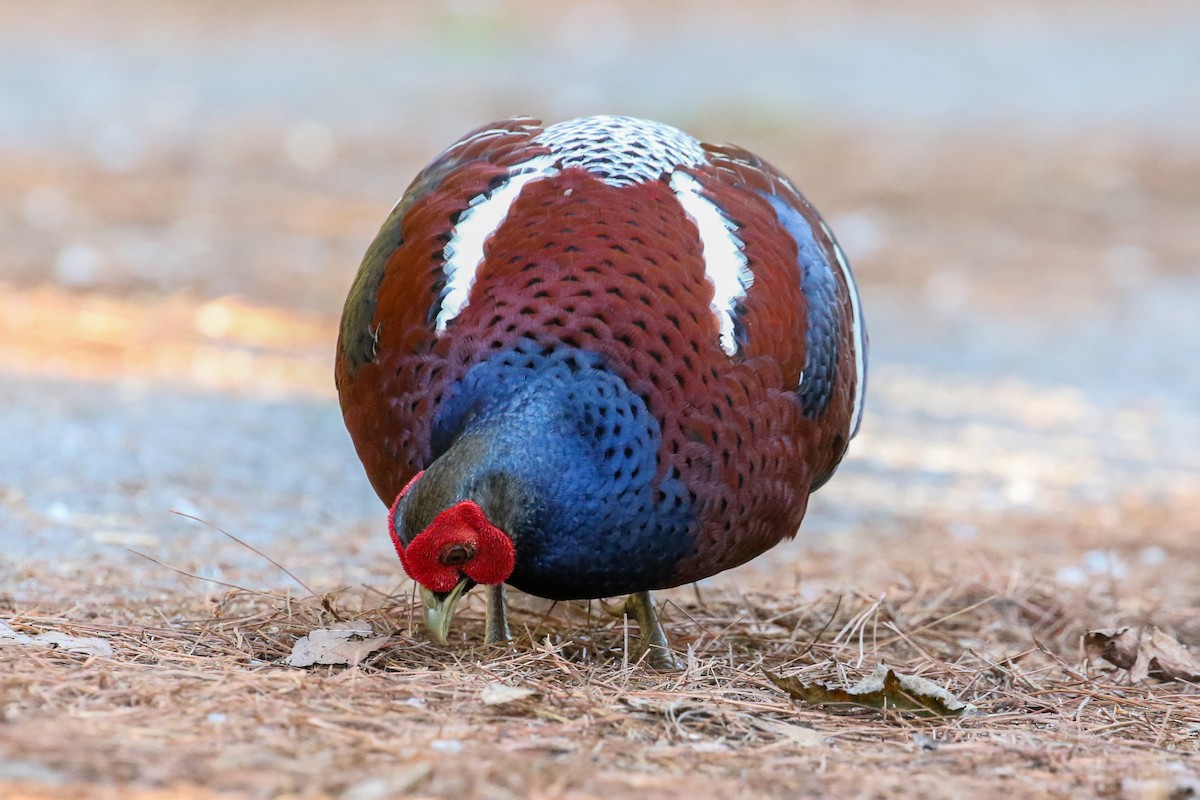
x: 393, y: 783
x: 802, y: 736
x: 1117, y: 646
x: 496, y: 693
x: 883, y: 689
x: 89, y: 646
x: 1145, y: 652
x: 340, y: 643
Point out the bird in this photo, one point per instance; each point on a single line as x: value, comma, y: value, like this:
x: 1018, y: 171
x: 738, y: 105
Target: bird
x: 594, y: 359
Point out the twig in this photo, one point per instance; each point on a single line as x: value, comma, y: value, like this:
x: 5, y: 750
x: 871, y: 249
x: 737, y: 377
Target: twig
x: 259, y: 553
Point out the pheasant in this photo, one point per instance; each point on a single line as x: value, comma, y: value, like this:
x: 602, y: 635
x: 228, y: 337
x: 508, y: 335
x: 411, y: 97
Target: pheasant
x: 595, y: 359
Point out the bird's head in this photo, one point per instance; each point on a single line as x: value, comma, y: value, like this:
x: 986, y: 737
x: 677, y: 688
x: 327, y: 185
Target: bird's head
x: 459, y: 548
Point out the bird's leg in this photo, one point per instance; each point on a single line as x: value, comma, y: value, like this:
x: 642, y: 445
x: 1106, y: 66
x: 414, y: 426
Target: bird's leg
x: 653, y: 644
x: 653, y: 640
x: 497, y: 616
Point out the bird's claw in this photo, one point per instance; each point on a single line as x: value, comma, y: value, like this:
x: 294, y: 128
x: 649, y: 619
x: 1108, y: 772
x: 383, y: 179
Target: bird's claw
x: 653, y: 645
x: 616, y: 610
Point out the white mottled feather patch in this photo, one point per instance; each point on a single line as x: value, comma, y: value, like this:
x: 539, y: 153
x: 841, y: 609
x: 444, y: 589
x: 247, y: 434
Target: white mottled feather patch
x: 621, y: 150
x: 485, y: 214
x: 725, y: 262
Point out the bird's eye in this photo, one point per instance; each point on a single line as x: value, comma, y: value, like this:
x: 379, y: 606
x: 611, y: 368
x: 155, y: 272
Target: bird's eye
x: 455, y: 555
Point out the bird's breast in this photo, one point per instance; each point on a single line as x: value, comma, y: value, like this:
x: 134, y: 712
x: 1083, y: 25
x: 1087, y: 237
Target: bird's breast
x: 694, y: 275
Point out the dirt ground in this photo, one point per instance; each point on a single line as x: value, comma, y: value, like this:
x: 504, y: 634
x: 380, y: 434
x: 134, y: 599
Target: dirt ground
x: 184, y: 197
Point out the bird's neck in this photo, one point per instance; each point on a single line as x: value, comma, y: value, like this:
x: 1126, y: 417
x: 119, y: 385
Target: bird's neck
x: 561, y: 455
x: 479, y: 468
x: 500, y: 452
x: 508, y: 451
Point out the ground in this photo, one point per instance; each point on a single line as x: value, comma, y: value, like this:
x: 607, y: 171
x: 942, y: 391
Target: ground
x: 184, y: 198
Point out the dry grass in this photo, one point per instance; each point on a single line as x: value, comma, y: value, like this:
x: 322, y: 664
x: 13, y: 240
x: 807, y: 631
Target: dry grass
x: 195, y: 703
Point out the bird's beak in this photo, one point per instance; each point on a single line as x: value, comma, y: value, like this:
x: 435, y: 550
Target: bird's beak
x: 440, y: 607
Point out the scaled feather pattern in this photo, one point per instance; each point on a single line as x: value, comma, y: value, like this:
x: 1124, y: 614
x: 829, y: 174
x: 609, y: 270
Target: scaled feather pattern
x: 638, y: 354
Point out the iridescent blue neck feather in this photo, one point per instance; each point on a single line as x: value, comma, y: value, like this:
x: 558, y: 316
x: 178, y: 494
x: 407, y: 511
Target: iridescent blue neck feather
x: 555, y: 428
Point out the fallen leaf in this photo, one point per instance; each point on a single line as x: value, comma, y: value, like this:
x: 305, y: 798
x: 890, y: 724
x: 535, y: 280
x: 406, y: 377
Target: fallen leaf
x: 884, y: 688
x: 497, y: 694
x: 1117, y: 646
x: 925, y: 741
x: 799, y: 735
x: 393, y: 783
x: 1145, y: 652
x: 72, y: 644
x: 1181, y: 784
x: 340, y: 643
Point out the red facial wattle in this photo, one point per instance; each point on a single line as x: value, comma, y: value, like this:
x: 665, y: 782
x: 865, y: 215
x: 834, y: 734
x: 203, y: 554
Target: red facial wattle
x: 460, y: 541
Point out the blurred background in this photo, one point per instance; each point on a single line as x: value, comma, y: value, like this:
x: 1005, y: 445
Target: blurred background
x: 186, y: 190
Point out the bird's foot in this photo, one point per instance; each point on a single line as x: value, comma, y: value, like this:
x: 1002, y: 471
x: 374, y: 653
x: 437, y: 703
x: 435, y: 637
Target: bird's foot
x: 496, y: 619
x: 653, y: 643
